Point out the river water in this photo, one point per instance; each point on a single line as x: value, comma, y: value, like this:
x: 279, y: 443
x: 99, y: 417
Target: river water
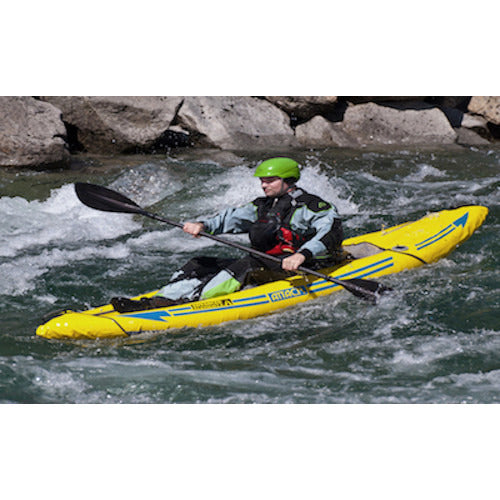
x: 434, y: 340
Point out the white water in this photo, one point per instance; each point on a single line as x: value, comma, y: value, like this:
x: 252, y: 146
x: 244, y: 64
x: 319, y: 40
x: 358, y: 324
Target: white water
x: 435, y: 339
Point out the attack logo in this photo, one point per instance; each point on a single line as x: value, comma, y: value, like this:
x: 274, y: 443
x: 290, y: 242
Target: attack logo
x: 287, y: 293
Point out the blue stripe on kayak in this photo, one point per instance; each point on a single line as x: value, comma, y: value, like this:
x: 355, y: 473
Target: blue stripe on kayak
x: 333, y: 285
x: 361, y: 269
x: 461, y: 221
x: 388, y: 261
x: 250, y: 298
x: 448, y: 231
x: 433, y: 236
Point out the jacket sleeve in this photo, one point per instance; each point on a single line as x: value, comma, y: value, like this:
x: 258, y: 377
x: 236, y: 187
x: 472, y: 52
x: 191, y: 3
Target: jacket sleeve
x: 322, y: 220
x: 232, y: 220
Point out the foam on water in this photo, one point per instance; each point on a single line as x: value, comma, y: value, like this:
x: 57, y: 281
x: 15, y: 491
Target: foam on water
x: 331, y: 188
x: 59, y: 220
x: 434, y: 339
x: 424, y: 171
x: 146, y: 184
x: 473, y: 382
x: 40, y: 235
x: 423, y: 353
x: 230, y: 188
x: 20, y: 273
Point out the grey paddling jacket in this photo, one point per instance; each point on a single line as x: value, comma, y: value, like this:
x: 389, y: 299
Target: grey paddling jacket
x: 316, y: 221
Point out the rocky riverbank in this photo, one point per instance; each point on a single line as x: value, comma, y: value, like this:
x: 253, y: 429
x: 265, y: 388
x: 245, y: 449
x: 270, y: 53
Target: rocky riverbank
x: 43, y: 132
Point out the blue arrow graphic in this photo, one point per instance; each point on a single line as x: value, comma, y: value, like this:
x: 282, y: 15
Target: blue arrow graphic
x: 154, y: 315
x: 461, y: 221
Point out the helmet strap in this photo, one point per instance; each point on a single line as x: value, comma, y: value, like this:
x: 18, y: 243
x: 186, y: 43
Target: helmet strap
x: 287, y: 190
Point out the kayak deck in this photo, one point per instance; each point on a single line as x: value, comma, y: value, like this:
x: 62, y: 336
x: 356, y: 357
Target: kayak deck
x: 377, y: 254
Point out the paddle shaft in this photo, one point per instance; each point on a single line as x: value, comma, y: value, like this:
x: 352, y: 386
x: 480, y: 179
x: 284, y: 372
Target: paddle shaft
x: 258, y: 253
x: 101, y: 198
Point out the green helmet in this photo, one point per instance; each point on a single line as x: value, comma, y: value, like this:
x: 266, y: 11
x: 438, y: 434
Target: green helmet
x: 278, y: 167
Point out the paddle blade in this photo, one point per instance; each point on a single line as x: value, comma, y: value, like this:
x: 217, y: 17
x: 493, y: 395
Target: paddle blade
x: 105, y: 199
x: 366, y: 289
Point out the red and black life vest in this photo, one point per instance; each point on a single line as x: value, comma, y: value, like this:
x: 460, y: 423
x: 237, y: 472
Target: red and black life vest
x: 271, y: 233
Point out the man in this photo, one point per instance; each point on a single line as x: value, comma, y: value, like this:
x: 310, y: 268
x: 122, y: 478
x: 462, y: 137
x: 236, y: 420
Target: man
x: 287, y: 222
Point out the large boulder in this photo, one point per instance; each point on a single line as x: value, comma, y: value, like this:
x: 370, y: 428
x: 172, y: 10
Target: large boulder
x: 117, y: 124
x: 320, y: 132
x: 488, y: 107
x: 303, y: 108
x: 235, y: 123
x: 372, y: 124
x: 31, y: 134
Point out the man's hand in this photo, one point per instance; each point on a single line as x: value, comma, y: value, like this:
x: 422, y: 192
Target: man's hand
x: 194, y: 228
x: 293, y: 262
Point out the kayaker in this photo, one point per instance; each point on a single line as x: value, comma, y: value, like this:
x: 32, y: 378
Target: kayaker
x: 287, y: 222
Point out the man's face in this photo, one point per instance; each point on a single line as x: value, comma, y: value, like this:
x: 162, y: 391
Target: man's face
x: 273, y: 186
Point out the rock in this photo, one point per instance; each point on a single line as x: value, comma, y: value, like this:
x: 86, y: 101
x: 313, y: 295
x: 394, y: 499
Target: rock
x: 37, y: 131
x: 476, y: 124
x: 379, y: 99
x: 303, y: 108
x: 371, y: 124
x: 118, y: 124
x: 32, y: 133
x: 488, y: 107
x: 320, y: 132
x: 467, y: 137
x: 235, y: 123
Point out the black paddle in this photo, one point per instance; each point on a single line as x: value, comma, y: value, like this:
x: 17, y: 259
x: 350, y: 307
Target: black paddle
x: 105, y: 199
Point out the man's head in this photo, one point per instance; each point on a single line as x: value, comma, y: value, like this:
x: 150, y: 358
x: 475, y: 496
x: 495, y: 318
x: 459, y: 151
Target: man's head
x: 278, y: 175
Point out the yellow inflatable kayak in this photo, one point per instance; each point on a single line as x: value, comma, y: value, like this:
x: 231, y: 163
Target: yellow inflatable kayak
x: 373, y: 255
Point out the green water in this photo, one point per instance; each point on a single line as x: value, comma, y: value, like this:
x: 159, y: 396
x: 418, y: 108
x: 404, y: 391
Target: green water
x: 434, y: 340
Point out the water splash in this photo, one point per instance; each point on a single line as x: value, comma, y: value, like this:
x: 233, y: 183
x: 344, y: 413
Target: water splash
x: 31, y: 225
x: 435, y: 339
